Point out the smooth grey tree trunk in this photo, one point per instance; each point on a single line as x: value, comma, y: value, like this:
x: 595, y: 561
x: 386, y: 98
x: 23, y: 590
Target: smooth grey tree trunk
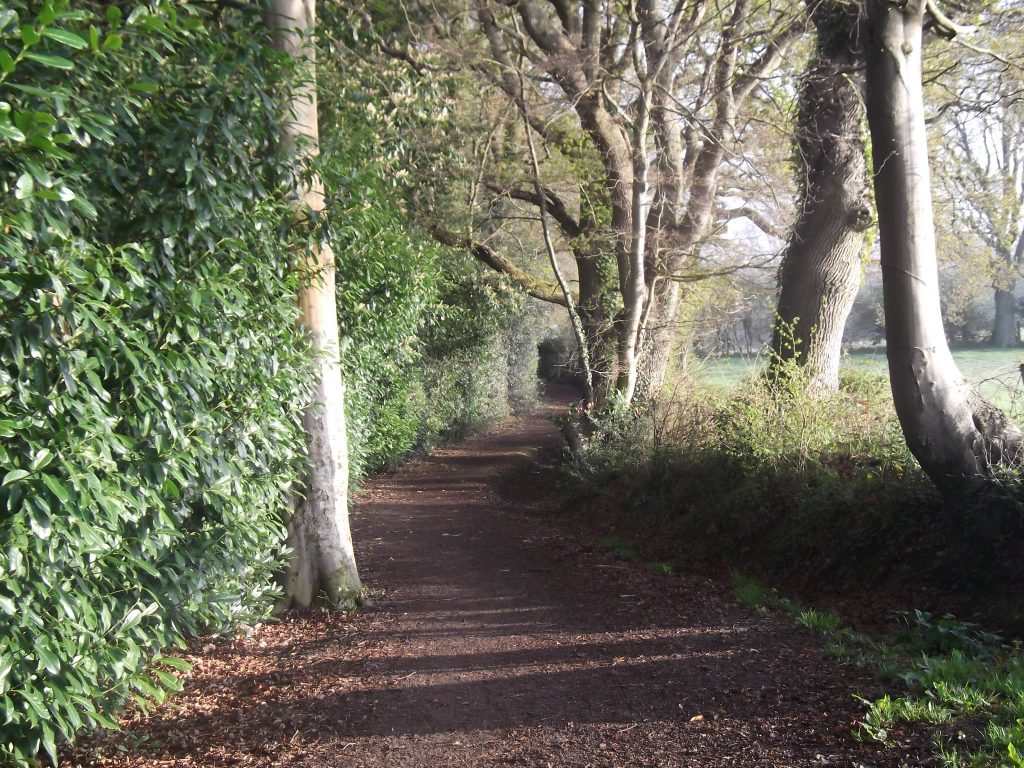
x: 820, y: 271
x: 323, y: 563
x: 956, y: 435
x: 1004, y: 324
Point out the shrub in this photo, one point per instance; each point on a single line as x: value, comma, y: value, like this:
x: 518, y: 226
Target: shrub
x: 150, y: 371
x: 152, y: 376
x: 434, y: 347
x: 772, y: 477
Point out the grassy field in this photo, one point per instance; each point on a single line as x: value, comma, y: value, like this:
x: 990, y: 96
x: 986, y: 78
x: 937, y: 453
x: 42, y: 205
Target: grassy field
x: 995, y: 372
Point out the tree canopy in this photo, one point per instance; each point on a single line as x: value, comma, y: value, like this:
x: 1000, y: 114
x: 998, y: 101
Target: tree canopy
x: 251, y: 253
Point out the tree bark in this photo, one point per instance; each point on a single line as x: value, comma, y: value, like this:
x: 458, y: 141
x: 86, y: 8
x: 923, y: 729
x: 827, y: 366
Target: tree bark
x: 621, y: 74
x: 323, y: 562
x: 956, y: 435
x: 595, y: 323
x: 661, y: 336
x: 1004, y: 325
x: 820, y: 271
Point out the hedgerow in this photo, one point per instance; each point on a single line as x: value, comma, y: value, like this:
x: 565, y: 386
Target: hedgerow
x: 152, y: 375
x: 434, y: 346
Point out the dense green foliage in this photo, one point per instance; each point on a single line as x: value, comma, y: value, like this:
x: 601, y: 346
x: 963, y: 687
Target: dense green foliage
x: 965, y: 685
x: 799, y: 488
x: 151, y: 372
x: 435, y: 346
x: 151, y: 376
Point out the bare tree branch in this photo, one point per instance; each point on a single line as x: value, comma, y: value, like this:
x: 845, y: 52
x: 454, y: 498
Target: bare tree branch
x: 756, y: 218
x: 770, y: 58
x: 556, y: 206
x: 944, y: 25
x: 483, y: 253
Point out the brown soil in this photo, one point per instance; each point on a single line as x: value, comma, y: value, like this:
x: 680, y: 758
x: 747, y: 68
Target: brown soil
x: 499, y: 640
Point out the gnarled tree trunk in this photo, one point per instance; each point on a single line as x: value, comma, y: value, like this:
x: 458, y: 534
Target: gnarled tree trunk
x: 661, y: 334
x: 619, y: 73
x: 323, y: 562
x: 956, y: 435
x: 820, y: 271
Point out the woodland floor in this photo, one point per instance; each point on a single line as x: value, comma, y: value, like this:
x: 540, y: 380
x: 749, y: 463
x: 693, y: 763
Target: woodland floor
x: 500, y: 639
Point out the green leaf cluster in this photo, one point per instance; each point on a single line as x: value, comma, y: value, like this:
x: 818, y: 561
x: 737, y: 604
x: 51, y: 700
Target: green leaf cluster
x: 151, y: 373
x: 428, y: 336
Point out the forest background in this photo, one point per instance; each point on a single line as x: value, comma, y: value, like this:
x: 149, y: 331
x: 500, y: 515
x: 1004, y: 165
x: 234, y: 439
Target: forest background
x: 615, y: 186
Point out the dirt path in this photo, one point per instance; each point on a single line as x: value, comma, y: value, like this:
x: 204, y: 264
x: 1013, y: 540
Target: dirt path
x: 498, y: 640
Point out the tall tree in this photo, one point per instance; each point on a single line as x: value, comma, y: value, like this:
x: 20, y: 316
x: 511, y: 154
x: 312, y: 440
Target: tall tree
x: 956, y: 435
x: 323, y: 562
x: 820, y: 271
x: 981, y: 171
x: 653, y: 96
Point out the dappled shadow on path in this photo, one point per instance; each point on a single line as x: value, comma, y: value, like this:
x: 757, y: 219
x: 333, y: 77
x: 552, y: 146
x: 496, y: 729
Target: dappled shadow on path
x: 497, y: 640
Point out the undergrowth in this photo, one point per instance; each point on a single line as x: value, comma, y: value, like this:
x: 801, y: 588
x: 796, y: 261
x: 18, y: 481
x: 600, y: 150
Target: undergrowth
x: 965, y: 684
x: 800, y: 488
x: 809, y: 490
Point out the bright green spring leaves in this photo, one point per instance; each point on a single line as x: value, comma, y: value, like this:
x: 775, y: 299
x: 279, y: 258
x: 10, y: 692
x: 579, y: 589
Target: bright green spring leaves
x: 150, y: 371
x: 429, y: 338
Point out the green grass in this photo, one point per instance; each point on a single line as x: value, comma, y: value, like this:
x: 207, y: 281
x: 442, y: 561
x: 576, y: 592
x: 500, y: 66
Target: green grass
x: 964, y: 684
x: 752, y: 593
x: 656, y: 567
x: 624, y: 550
x: 825, y: 622
x: 621, y: 548
x: 996, y: 372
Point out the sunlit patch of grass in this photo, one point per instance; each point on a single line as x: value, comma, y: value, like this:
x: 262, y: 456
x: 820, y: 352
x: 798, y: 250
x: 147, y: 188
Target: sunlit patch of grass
x: 996, y: 372
x: 955, y: 674
x: 885, y: 713
x: 954, y: 678
x: 825, y: 622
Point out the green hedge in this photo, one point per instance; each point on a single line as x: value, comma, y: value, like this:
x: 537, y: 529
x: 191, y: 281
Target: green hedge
x: 150, y: 371
x: 430, y: 336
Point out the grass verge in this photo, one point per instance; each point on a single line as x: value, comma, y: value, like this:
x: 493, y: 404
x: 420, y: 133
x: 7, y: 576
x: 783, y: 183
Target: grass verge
x: 964, y: 684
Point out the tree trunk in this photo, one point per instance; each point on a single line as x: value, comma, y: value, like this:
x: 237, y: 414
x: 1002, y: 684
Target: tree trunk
x: 1004, y: 325
x: 595, y: 324
x: 323, y: 562
x: 820, y: 271
x: 661, y: 336
x: 956, y: 435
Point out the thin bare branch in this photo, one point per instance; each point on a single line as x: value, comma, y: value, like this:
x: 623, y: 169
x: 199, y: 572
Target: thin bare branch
x: 556, y: 206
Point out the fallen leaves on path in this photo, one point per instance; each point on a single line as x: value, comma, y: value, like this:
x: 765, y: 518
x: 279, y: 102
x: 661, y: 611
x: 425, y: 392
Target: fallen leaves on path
x: 500, y: 640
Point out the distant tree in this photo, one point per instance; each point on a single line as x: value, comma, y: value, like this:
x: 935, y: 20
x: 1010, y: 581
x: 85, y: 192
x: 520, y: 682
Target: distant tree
x: 323, y: 561
x: 981, y: 170
x: 642, y: 108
